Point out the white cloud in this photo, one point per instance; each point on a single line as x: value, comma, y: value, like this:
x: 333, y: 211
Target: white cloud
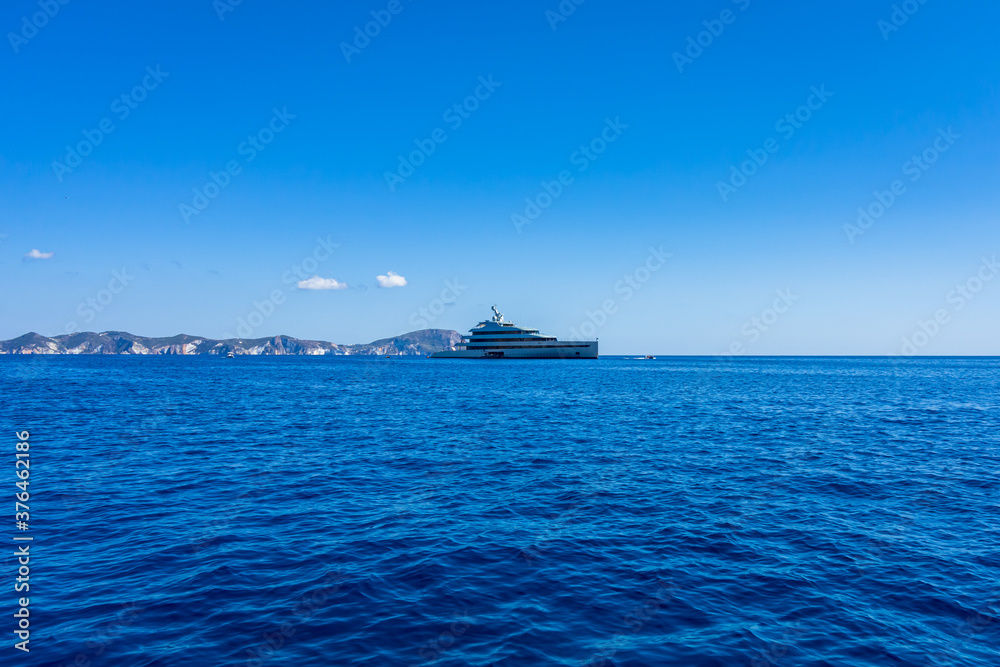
x: 391, y: 280
x: 321, y: 283
x: 38, y: 254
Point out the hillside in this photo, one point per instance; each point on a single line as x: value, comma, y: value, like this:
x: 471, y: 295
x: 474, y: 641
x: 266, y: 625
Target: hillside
x: 415, y: 343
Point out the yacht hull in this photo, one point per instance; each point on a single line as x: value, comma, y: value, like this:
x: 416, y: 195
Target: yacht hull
x: 567, y: 350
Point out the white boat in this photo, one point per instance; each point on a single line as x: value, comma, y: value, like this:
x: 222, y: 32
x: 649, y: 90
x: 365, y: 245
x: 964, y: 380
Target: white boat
x: 499, y: 339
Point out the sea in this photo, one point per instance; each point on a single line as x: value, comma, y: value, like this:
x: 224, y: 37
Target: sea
x: 316, y: 511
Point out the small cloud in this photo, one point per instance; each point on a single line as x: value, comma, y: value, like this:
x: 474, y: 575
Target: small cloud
x: 391, y: 280
x: 38, y: 254
x: 321, y: 283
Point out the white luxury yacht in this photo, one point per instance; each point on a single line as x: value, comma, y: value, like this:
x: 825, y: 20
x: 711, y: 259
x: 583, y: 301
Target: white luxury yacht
x: 496, y: 339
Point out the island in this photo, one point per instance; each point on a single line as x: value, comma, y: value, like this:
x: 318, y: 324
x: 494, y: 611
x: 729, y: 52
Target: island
x: 415, y: 343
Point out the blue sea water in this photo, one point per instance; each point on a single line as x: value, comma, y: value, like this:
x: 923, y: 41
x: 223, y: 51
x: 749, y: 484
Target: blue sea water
x: 370, y: 511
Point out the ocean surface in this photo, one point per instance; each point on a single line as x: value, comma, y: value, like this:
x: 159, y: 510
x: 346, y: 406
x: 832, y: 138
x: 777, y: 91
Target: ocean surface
x: 369, y: 511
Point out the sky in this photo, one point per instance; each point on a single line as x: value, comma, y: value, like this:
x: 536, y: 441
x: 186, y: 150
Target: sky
x: 728, y: 177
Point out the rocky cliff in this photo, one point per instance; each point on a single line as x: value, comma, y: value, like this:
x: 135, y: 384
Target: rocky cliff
x: 415, y: 343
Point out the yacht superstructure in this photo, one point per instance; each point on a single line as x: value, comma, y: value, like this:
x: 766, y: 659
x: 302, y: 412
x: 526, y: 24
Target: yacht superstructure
x: 498, y: 339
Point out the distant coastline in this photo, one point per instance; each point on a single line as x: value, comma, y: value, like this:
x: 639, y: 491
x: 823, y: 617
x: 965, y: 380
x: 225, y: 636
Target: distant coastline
x: 415, y: 343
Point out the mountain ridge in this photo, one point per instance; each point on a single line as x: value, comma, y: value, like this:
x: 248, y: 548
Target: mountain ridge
x: 413, y: 343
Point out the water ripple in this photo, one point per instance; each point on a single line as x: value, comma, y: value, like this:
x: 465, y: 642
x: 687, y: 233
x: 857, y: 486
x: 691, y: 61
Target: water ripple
x: 316, y: 511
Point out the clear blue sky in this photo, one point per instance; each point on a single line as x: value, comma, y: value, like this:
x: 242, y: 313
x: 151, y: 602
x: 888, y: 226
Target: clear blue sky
x: 677, y: 127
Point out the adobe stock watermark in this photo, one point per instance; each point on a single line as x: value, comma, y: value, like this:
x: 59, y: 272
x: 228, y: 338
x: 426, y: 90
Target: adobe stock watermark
x: 581, y: 158
x: 775, y: 651
x: 885, y: 542
x: 626, y: 288
x: 959, y: 297
x: 99, y: 642
x: 787, y: 126
x: 249, y: 149
x: 306, y: 606
x: 38, y: 20
x: 696, y: 44
x: 432, y: 650
x: 381, y: 18
x: 551, y: 534
x: 756, y: 326
x: 636, y: 620
x: 915, y: 168
x: 974, y: 624
x: 899, y: 17
x: 565, y: 9
x: 308, y: 265
x: 223, y: 7
x: 265, y: 308
x: 424, y: 316
x: 122, y: 106
x: 454, y: 115
x: 89, y: 308
x: 218, y: 527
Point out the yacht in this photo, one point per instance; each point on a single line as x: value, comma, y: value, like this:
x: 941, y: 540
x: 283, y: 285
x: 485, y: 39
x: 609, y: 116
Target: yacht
x: 498, y: 339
